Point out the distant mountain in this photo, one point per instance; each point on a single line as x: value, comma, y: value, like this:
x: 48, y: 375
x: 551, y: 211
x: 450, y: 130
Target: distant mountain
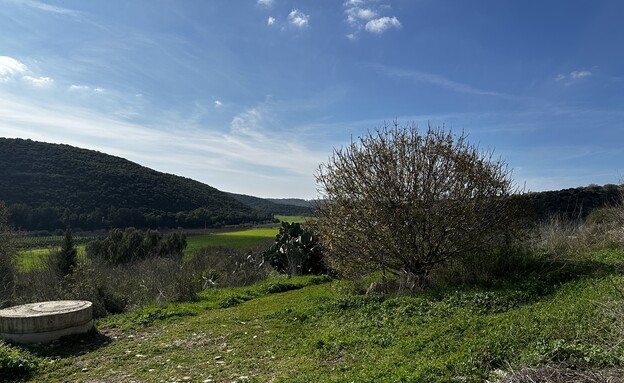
x: 49, y: 186
x: 276, y: 206
x: 292, y: 201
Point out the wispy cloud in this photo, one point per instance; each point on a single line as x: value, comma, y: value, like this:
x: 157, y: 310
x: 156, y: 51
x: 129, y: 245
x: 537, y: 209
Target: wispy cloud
x: 271, y: 20
x: 580, y: 74
x: 365, y: 15
x: 382, y: 24
x: 38, y: 5
x: 10, y: 67
x: 39, y: 82
x: 85, y: 88
x: 298, y: 18
x: 266, y: 3
x: 353, y: 3
x: 572, y: 77
x: 438, y: 80
x: 218, y: 104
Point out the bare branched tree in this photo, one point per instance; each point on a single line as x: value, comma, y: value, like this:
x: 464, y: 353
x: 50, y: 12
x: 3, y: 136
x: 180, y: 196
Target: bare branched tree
x: 398, y: 201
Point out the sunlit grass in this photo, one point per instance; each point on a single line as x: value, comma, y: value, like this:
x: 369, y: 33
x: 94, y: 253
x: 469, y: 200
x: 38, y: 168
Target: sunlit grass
x: 34, y: 258
x: 292, y: 218
x: 245, y: 239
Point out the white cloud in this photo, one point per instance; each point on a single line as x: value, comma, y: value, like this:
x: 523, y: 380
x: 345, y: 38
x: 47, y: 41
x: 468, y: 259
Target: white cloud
x: 574, y: 76
x: 382, y: 24
x: 356, y: 14
x: 39, y: 82
x: 580, y: 74
x: 266, y: 3
x: 218, y: 104
x: 271, y: 20
x: 365, y: 15
x: 85, y: 88
x: 298, y: 18
x: 50, y: 8
x: 10, y: 67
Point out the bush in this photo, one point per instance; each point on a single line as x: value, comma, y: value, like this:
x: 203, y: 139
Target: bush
x: 401, y: 202
x: 133, y: 245
x: 15, y: 364
x: 296, y: 251
x: 223, y: 267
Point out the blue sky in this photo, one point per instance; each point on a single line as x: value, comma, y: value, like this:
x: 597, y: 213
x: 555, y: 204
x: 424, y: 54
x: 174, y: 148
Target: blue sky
x: 250, y: 96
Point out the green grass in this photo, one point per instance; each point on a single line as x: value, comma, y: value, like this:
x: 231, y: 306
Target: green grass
x: 310, y: 330
x: 246, y: 239
x: 292, y: 218
x: 33, y: 258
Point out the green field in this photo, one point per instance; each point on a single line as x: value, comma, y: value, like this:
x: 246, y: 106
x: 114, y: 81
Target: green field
x: 292, y: 218
x: 30, y: 258
x: 32, y: 249
x: 246, y: 239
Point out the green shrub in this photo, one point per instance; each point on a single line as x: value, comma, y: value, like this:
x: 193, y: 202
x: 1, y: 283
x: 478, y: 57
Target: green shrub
x: 296, y: 251
x: 16, y: 364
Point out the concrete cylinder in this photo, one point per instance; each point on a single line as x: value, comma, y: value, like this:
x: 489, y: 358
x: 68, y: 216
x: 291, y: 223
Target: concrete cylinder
x: 45, y: 321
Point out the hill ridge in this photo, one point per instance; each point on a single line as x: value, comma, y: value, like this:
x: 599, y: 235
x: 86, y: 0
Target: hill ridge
x: 48, y: 186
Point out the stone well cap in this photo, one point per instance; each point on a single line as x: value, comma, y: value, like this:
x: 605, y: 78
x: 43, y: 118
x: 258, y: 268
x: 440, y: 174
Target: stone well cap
x: 44, y: 308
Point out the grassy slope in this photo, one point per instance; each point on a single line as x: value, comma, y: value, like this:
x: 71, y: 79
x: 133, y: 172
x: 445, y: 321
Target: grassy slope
x: 319, y: 333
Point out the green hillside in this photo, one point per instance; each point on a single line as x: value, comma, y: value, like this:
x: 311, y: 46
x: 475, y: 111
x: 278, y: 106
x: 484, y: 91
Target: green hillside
x: 48, y: 186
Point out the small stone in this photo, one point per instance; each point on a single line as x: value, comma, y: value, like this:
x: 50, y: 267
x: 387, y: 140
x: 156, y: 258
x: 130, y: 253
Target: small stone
x: 186, y: 378
x: 85, y: 369
x: 219, y: 357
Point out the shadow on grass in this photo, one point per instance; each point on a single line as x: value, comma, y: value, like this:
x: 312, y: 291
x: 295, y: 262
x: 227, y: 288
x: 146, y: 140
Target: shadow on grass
x: 71, y: 345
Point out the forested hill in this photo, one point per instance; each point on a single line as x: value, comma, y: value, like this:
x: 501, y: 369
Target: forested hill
x: 50, y: 186
x: 576, y: 203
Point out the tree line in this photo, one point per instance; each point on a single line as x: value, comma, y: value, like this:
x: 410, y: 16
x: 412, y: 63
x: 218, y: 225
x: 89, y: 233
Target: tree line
x: 48, y: 217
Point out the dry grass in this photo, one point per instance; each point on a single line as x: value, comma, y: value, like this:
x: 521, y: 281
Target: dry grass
x: 553, y: 374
